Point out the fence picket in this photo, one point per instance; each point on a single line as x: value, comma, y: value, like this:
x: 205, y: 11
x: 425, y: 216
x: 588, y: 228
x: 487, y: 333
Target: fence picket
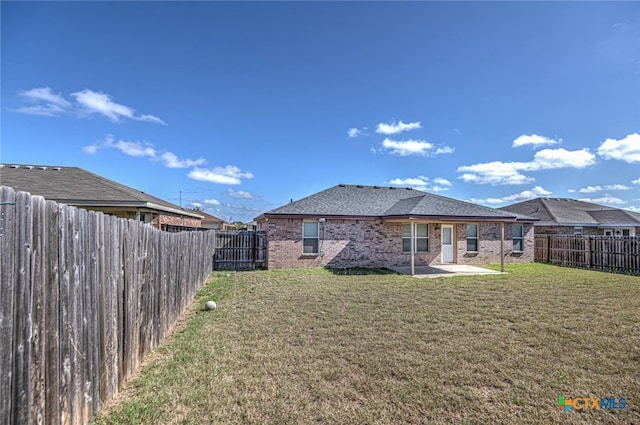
x: 83, y: 298
x: 8, y: 272
x: 607, y: 253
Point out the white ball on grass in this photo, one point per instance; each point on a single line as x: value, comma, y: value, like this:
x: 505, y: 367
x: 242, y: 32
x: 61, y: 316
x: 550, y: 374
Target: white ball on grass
x: 210, y: 305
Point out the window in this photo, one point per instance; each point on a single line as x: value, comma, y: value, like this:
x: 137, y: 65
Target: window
x: 421, y: 238
x: 518, y: 239
x: 472, y: 238
x: 577, y: 231
x: 310, y: 237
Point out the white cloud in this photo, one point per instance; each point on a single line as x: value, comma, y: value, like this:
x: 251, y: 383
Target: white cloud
x: 407, y: 147
x: 636, y: 181
x: 597, y: 188
x: 634, y: 209
x: 442, y: 181
x: 46, y: 95
x: 626, y: 149
x: 534, y: 140
x: 47, y: 102
x: 411, y: 181
x: 536, y: 192
x: 606, y: 199
x: 395, y: 128
x: 142, y: 149
x: 239, y: 194
x: 494, y: 173
x: 229, y: 174
x: 423, y: 183
x: 91, y: 149
x: 211, y: 202
x: 444, y: 149
x: 500, y: 173
x: 171, y: 161
x: 548, y: 159
x: 355, y: 132
x: 101, y: 103
x: 136, y: 149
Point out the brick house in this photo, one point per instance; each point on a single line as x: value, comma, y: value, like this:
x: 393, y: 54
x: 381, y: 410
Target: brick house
x: 562, y: 216
x: 371, y: 226
x: 80, y: 188
x: 211, y: 221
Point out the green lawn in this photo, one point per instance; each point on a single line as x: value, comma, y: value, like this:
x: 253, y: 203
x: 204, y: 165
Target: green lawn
x: 300, y: 347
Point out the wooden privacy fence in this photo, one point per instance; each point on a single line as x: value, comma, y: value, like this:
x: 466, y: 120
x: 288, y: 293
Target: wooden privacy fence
x: 83, y: 298
x: 607, y: 253
x: 240, y: 250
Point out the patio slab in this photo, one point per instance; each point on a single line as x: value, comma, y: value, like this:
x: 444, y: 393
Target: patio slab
x: 443, y: 270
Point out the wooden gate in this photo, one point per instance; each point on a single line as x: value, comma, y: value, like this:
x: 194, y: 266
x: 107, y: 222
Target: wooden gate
x: 240, y: 250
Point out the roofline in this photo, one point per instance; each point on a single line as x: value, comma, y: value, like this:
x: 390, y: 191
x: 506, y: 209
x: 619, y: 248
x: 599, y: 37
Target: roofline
x: 597, y: 225
x: 455, y: 218
x: 141, y: 204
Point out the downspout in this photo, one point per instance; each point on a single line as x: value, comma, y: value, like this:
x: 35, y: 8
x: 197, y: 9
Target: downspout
x: 413, y: 248
x: 502, y: 246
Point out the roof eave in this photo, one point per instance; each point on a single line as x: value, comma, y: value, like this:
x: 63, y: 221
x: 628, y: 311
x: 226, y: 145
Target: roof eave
x: 450, y: 218
x: 130, y: 204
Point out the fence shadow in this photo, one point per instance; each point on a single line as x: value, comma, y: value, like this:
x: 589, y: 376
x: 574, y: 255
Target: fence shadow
x: 359, y: 271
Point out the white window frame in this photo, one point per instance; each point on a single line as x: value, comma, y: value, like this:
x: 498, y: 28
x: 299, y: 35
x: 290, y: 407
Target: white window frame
x: 416, y: 238
x: 476, y: 237
x: 316, y: 237
x: 578, y: 231
x: 516, y: 238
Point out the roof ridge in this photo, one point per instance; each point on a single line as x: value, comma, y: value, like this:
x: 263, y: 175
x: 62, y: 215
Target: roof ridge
x: 546, y: 207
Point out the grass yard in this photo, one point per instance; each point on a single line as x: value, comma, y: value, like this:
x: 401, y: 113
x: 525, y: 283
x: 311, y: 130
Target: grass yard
x: 311, y: 346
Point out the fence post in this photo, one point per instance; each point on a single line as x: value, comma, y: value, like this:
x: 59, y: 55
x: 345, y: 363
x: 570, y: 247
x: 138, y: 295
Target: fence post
x: 548, y: 248
x: 589, y: 250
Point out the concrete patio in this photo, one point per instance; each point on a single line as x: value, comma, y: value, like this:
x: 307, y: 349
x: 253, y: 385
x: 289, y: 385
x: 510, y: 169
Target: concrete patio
x: 443, y: 270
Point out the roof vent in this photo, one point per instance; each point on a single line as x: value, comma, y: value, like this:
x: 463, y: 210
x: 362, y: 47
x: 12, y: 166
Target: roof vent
x: 42, y: 168
x: 360, y: 186
x: 376, y: 187
x: 342, y: 185
x: 15, y: 166
x: 57, y: 168
x: 29, y: 167
x: 408, y: 188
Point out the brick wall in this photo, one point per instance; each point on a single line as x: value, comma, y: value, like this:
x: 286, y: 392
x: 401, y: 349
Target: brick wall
x: 175, y: 220
x: 489, y: 244
x: 372, y: 243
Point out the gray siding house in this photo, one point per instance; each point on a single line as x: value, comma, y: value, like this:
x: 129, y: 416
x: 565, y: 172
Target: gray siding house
x: 372, y: 226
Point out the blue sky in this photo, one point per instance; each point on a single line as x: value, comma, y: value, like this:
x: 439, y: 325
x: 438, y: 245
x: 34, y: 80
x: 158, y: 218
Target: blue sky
x: 240, y: 107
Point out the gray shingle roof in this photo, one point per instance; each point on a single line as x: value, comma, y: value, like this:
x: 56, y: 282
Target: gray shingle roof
x: 563, y: 211
x: 375, y: 201
x: 76, y: 186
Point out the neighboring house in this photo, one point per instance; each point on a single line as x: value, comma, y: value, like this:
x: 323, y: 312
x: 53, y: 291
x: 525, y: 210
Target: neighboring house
x: 561, y: 216
x: 80, y: 188
x: 371, y: 226
x: 211, y: 221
